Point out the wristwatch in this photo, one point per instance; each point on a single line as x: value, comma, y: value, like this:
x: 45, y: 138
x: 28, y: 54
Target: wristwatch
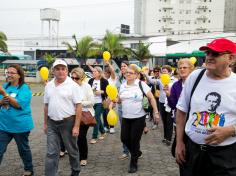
x: 234, y: 135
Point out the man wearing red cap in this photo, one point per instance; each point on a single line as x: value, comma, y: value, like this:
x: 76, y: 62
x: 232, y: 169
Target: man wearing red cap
x: 206, y: 142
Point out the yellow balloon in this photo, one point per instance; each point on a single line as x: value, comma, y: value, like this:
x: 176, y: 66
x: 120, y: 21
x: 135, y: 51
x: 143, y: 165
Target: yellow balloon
x: 112, y: 118
x: 106, y: 55
x: 44, y: 73
x: 193, y: 60
x: 165, y: 79
x: 112, y: 92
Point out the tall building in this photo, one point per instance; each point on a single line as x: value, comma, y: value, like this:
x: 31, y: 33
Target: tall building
x: 179, y: 17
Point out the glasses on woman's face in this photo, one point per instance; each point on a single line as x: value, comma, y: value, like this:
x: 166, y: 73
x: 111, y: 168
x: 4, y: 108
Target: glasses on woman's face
x: 129, y: 73
x: 11, y: 73
x: 75, y: 78
x: 184, y: 68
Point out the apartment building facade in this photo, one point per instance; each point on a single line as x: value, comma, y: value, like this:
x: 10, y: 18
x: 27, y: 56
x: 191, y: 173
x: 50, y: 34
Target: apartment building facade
x: 181, y: 17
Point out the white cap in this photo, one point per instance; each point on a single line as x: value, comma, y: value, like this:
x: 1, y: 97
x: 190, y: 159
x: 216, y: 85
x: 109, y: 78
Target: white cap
x: 59, y: 62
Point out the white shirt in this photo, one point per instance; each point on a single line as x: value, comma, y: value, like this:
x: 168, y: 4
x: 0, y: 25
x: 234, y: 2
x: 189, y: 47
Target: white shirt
x: 62, y: 99
x: 131, y: 99
x: 213, y: 104
x: 95, y: 87
x: 88, y: 98
x: 112, y: 81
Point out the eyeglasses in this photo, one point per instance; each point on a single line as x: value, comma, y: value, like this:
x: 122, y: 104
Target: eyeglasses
x: 215, y: 54
x: 129, y: 73
x: 156, y: 71
x: 183, y: 68
x: 75, y: 78
x: 11, y: 73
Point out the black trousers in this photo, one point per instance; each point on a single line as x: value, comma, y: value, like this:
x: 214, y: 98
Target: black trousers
x: 82, y: 142
x: 202, y: 160
x: 167, y: 122
x: 131, y: 133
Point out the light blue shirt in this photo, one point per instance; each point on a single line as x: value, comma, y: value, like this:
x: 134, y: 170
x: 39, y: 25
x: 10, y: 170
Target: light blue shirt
x: 17, y: 120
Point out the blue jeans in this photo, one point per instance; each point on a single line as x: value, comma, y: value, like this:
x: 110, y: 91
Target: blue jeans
x: 55, y: 129
x: 119, y: 109
x: 99, y: 126
x: 22, y: 141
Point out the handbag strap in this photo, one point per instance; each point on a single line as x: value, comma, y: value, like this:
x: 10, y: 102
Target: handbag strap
x: 141, y: 87
x: 193, y: 89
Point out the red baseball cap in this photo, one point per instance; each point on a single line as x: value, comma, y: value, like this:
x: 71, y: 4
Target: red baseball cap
x: 220, y: 45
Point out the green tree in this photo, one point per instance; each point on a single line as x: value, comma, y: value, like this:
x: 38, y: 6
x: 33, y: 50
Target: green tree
x: 49, y: 59
x: 141, y: 53
x: 3, y: 45
x: 83, y: 49
x: 113, y: 43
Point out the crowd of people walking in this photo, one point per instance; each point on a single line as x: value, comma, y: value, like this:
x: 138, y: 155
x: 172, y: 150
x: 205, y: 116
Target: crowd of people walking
x: 196, y: 108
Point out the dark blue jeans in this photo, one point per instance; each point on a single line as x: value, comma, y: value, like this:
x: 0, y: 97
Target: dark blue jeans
x: 22, y: 141
x: 99, y: 126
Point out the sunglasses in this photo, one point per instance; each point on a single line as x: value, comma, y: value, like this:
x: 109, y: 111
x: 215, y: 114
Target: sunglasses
x: 156, y: 71
x: 215, y: 54
x: 75, y: 78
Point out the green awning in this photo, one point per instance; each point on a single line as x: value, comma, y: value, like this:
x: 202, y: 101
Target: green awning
x: 182, y: 55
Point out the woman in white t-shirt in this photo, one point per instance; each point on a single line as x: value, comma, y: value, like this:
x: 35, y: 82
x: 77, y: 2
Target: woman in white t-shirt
x: 133, y: 114
x: 98, y: 84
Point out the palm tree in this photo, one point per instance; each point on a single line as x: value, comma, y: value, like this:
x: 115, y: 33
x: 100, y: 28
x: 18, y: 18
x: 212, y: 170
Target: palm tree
x: 49, y: 59
x: 142, y: 52
x: 112, y: 43
x: 3, y: 45
x: 83, y: 49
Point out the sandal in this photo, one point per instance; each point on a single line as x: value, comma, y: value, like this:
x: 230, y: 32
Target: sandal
x: 28, y: 173
x: 83, y: 162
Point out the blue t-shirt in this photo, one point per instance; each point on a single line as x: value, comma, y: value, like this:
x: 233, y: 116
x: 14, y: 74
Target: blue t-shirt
x: 17, y: 120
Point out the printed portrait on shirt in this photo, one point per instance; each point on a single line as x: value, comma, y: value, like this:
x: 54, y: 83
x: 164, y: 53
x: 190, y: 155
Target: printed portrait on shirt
x: 209, y: 118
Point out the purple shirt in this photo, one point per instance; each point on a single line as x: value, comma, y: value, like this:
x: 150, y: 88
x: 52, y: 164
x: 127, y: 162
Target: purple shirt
x: 174, y: 94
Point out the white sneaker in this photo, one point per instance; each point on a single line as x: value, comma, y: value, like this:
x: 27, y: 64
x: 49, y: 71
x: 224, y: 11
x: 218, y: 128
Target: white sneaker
x: 123, y: 156
x: 112, y: 130
x: 154, y: 127
x: 106, y: 129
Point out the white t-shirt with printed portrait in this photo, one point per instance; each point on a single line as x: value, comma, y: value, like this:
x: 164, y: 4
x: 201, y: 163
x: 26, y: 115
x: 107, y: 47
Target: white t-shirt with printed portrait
x: 95, y: 87
x: 213, y: 104
x: 131, y: 99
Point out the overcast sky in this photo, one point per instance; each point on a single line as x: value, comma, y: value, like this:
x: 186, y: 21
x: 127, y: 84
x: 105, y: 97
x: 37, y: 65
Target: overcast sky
x: 21, y: 18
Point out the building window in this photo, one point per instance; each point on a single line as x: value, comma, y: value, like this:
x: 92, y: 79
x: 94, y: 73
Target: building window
x: 159, y: 20
x: 159, y: 30
x: 159, y: 10
x: 164, y: 20
x: 188, y: 21
x: 209, y: 10
x: 209, y: 21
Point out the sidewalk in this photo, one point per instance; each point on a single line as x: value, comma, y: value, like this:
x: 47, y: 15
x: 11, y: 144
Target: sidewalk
x: 103, y: 156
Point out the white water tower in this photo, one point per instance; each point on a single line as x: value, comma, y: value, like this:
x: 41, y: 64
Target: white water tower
x: 52, y: 17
